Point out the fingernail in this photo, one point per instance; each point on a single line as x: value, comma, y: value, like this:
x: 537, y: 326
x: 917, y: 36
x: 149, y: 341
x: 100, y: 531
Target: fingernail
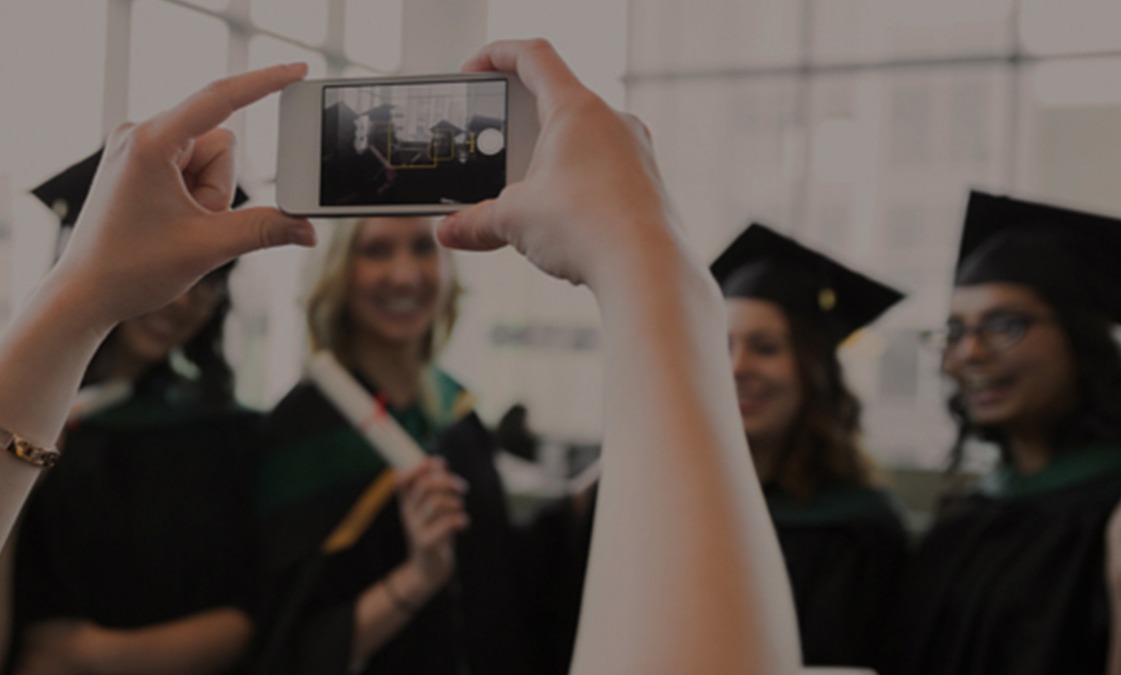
x: 445, y: 231
x: 302, y: 234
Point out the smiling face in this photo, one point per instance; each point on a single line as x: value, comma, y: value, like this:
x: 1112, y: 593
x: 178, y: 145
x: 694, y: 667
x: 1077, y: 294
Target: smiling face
x: 1019, y: 383
x: 146, y: 340
x: 768, y: 386
x: 397, y: 281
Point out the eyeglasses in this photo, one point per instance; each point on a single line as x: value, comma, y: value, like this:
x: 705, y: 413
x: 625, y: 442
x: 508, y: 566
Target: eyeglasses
x: 997, y: 332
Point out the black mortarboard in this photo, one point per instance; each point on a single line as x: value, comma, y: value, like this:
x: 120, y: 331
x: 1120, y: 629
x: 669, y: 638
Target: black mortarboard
x: 444, y: 125
x: 1067, y: 256
x: 65, y: 193
x: 764, y: 264
x: 383, y: 111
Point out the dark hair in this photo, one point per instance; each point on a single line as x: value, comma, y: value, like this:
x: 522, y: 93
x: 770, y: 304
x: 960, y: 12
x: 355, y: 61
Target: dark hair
x: 822, y: 449
x: 1097, y: 362
x: 214, y: 386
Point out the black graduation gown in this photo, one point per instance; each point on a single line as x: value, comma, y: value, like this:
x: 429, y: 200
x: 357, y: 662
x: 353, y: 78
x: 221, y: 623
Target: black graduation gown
x: 146, y: 518
x: 315, y: 466
x: 845, y: 550
x: 1011, y: 580
x: 553, y: 563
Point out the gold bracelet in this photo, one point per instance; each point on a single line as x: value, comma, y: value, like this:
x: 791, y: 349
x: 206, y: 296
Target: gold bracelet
x: 23, y: 449
x: 402, y: 605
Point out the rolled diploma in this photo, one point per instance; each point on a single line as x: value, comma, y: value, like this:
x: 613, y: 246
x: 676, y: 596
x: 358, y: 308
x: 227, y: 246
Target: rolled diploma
x: 366, y: 413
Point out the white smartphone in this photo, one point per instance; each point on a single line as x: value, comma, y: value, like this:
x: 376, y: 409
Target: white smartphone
x: 401, y: 145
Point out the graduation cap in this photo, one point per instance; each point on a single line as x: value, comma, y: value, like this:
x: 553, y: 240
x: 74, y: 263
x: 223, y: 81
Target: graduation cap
x: 1067, y: 256
x: 65, y: 193
x: 764, y: 264
x: 444, y: 125
x: 383, y: 111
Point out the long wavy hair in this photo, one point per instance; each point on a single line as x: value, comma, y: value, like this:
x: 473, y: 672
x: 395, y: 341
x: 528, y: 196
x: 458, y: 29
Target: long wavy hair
x: 329, y: 325
x: 823, y: 446
x: 1097, y: 416
x: 211, y: 380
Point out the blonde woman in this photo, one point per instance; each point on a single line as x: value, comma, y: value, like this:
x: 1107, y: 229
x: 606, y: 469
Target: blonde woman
x: 423, y: 583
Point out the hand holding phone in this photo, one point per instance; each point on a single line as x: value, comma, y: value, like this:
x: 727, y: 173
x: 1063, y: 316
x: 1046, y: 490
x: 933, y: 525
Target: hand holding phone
x: 592, y: 195
x: 401, y: 145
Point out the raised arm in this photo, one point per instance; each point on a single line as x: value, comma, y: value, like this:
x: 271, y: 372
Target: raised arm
x: 157, y: 219
x: 685, y: 574
x: 1113, y: 586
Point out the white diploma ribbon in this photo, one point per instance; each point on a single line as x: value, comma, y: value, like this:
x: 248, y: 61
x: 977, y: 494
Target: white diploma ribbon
x: 364, y: 412
x: 97, y: 397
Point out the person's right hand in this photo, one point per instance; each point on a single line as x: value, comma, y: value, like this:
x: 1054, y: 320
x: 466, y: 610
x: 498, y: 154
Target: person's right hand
x: 592, y: 195
x: 157, y: 217
x: 432, y: 512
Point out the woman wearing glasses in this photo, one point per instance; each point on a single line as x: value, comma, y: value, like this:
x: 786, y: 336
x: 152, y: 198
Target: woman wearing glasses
x: 133, y: 551
x: 1010, y: 578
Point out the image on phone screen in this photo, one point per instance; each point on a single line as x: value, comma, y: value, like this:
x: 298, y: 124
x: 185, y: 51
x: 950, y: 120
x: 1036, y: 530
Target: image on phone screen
x: 410, y: 143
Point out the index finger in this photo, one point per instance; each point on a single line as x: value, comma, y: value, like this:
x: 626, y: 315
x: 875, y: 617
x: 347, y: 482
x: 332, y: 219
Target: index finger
x: 210, y: 106
x: 536, y: 64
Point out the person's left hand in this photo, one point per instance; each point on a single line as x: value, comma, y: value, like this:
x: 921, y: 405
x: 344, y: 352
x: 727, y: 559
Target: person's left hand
x: 157, y: 217
x: 60, y: 647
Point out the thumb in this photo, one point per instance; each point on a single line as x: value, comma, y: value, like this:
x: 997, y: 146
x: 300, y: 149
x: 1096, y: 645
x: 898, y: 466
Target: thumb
x: 261, y: 227
x: 473, y: 229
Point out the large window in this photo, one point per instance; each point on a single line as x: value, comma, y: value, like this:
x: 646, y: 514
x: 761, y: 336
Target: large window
x: 860, y: 125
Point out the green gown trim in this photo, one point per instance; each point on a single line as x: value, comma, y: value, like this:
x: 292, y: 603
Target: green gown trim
x: 835, y: 504
x: 1062, y: 472
x: 301, y: 468
x: 155, y: 404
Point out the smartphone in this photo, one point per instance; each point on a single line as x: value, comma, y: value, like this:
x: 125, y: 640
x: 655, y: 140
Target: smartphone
x: 401, y: 145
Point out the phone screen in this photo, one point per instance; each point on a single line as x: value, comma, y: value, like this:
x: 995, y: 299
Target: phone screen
x: 410, y: 143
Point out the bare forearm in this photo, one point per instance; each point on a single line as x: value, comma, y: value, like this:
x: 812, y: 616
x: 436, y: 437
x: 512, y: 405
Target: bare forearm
x: 7, y: 555
x: 379, y: 614
x: 208, y: 642
x: 43, y: 353
x: 1113, y: 667
x: 685, y: 574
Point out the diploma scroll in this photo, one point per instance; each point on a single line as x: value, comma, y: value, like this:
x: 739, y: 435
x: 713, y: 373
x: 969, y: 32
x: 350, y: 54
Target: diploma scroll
x: 365, y: 412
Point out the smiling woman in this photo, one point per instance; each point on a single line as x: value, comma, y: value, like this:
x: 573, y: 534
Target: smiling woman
x: 789, y: 309
x: 431, y: 566
x: 1010, y: 578
x: 129, y: 497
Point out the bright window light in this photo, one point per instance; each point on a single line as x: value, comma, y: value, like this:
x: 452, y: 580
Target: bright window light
x: 175, y: 51
x: 212, y: 5
x: 1073, y: 26
x: 1078, y: 83
x: 303, y: 20
x: 51, y: 108
x: 373, y: 33
x: 261, y: 123
x: 51, y: 111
